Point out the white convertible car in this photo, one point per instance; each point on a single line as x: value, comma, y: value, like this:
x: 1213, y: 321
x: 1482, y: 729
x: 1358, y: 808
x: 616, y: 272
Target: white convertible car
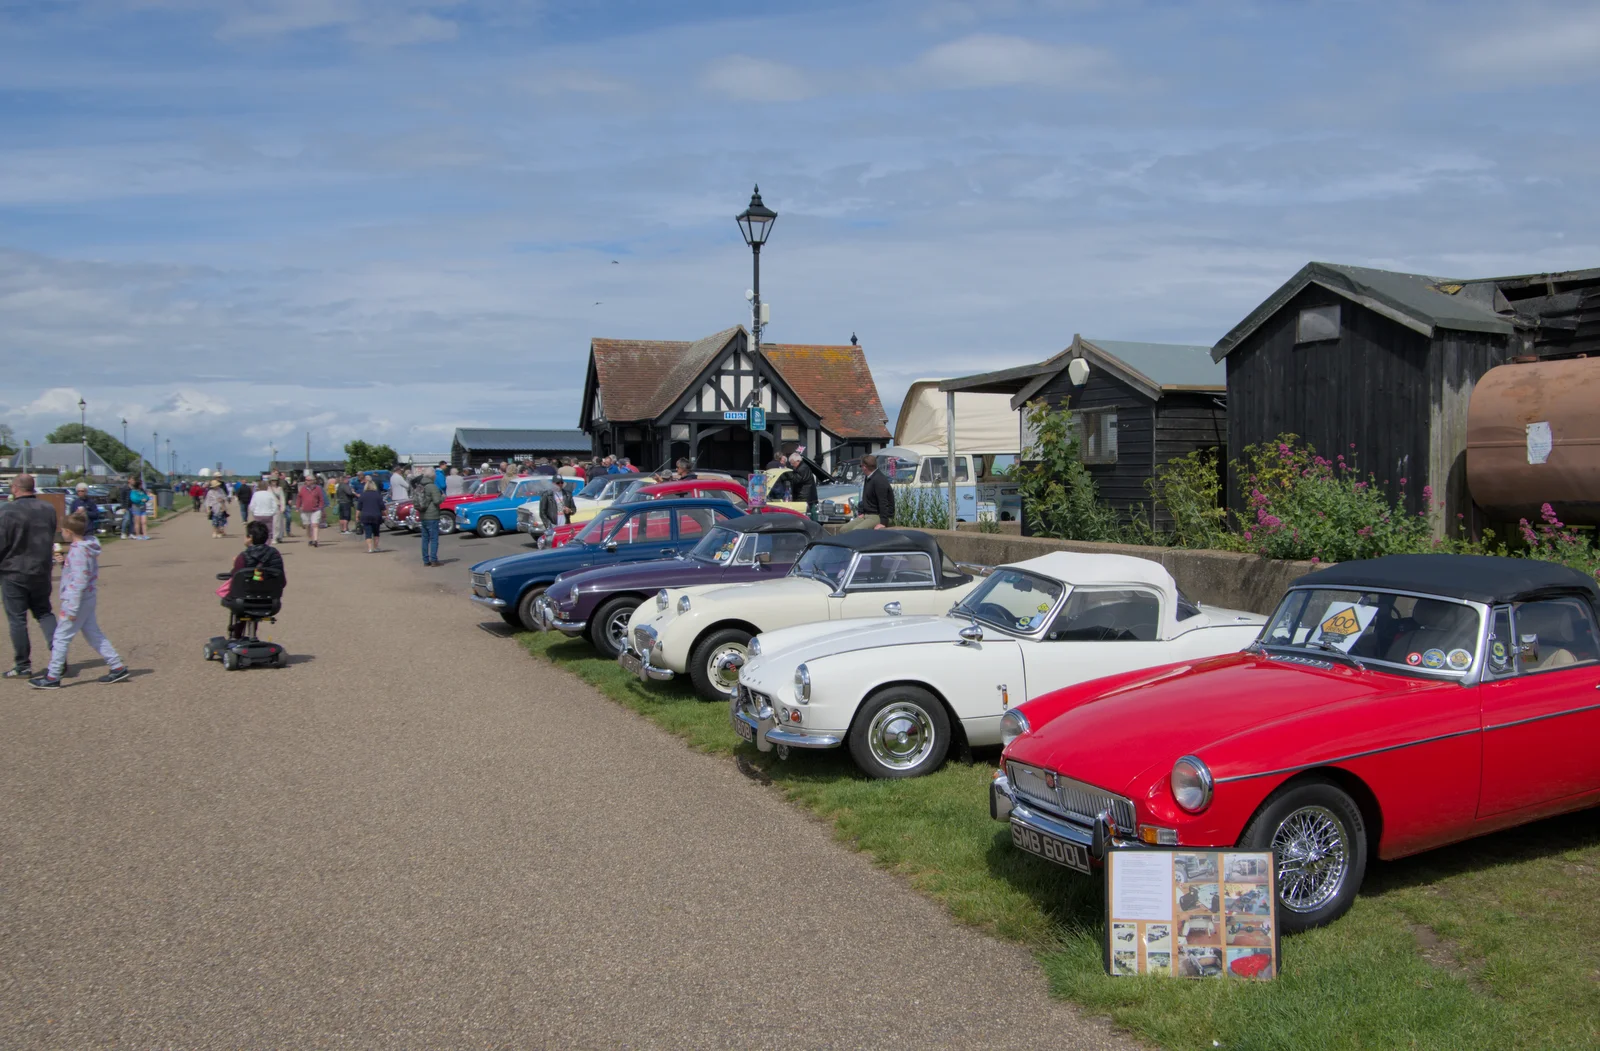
x: 704, y: 631
x: 899, y: 691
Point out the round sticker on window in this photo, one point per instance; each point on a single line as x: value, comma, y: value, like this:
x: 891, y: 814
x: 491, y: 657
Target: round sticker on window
x: 1460, y: 660
x: 1413, y: 658
x: 1433, y: 659
x: 1498, y: 652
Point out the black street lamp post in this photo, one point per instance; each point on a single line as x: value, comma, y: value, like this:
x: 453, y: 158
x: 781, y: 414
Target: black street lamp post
x: 755, y: 222
x: 83, y: 437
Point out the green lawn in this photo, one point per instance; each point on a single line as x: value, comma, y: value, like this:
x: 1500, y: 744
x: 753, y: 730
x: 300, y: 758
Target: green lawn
x: 1490, y: 944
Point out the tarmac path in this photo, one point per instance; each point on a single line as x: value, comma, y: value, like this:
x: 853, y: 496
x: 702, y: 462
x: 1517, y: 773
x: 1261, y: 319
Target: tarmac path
x: 416, y: 836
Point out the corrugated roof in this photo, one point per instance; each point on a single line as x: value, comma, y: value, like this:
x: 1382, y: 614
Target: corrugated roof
x: 55, y: 454
x: 1170, y: 366
x: 1413, y: 300
x: 514, y: 440
x: 835, y: 383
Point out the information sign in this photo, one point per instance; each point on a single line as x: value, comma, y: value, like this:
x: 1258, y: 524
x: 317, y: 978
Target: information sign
x: 758, y: 418
x: 733, y: 414
x: 1191, y: 914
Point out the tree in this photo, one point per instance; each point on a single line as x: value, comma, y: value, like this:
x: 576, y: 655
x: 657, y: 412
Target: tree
x: 112, y: 451
x: 361, y: 456
x: 8, y: 440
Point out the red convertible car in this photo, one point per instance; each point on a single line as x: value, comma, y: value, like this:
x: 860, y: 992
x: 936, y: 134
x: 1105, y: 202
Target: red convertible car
x: 1388, y: 707
x: 704, y: 488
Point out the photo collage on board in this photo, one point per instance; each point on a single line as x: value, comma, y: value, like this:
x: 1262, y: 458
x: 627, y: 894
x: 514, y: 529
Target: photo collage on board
x: 1214, y: 919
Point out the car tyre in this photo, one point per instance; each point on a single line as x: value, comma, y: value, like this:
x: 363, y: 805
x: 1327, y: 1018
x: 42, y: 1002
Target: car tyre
x: 525, y: 620
x: 710, y: 684
x: 488, y: 527
x: 447, y: 522
x: 513, y: 621
x: 609, y: 627
x: 902, y: 731
x: 230, y: 660
x: 1319, y: 840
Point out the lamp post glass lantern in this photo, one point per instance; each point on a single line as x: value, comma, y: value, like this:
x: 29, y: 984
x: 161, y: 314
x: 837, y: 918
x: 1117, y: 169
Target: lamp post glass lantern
x: 755, y: 223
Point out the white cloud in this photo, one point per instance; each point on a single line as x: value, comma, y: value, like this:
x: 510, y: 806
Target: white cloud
x: 1543, y: 45
x: 193, y: 403
x: 758, y: 80
x: 57, y: 401
x: 987, y: 60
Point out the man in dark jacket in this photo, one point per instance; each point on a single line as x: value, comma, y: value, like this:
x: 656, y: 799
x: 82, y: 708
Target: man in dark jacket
x: 876, y: 507
x: 125, y: 501
x: 425, y: 498
x: 27, y: 533
x: 803, y: 483
x: 555, y: 508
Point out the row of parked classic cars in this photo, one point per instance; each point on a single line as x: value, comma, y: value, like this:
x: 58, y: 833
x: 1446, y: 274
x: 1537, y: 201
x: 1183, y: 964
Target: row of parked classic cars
x: 1386, y: 706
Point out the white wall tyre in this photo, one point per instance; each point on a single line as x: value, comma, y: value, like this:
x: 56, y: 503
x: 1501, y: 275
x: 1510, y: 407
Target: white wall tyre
x: 711, y: 682
x: 1319, y: 839
x: 903, y: 731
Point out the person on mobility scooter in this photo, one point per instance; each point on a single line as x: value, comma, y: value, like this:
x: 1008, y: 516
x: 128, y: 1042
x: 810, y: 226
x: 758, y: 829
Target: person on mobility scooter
x: 253, y: 593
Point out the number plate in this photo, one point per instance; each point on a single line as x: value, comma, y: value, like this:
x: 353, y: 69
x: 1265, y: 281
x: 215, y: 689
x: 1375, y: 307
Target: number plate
x: 633, y: 665
x: 1049, y: 847
x: 744, y: 729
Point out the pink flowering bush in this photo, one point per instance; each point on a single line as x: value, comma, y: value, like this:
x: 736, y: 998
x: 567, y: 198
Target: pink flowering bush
x: 1553, y: 541
x: 1304, y: 506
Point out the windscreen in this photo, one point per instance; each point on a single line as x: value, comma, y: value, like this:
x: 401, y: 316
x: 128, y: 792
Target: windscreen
x: 1012, y: 600
x: 823, y: 562
x: 717, y: 546
x: 1435, y: 635
x: 598, y: 527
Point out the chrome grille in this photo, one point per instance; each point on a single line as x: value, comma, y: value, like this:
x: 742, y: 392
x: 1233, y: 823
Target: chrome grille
x: 752, y: 702
x: 1073, y: 800
x: 644, y: 640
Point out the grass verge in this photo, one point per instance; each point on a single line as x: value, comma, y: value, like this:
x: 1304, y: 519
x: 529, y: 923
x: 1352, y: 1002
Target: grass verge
x: 1488, y: 944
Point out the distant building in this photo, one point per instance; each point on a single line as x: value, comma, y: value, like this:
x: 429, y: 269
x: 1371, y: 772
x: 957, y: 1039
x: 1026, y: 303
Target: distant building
x: 322, y: 467
x: 1387, y: 361
x: 1135, y: 406
x: 473, y: 446
x: 655, y: 401
x: 58, y: 458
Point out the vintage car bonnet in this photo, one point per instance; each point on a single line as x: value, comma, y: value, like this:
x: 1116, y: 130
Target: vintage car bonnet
x: 1476, y: 578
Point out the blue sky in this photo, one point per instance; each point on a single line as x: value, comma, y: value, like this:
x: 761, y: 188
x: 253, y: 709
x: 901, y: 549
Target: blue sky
x: 233, y: 221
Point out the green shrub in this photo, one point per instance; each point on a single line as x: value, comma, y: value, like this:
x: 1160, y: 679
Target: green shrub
x: 1190, y: 490
x: 919, y: 507
x: 1059, y: 497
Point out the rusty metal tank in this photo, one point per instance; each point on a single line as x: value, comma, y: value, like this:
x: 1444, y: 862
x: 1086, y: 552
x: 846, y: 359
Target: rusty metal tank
x: 1533, y: 438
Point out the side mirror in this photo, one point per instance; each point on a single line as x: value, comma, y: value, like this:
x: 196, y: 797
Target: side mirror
x: 763, y: 558
x: 892, y: 608
x: 611, y: 545
x: 971, y: 634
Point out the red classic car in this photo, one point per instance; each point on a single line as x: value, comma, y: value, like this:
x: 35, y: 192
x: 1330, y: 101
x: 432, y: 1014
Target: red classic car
x: 1388, y: 707
x: 484, y: 487
x: 705, y: 488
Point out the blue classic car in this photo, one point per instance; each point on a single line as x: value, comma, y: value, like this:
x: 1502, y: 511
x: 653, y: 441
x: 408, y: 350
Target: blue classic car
x: 499, y: 515
x: 637, y: 532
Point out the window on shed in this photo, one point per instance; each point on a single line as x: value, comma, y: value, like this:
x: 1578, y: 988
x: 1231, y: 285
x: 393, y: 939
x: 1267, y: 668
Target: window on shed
x: 1317, y: 324
x: 1097, y: 437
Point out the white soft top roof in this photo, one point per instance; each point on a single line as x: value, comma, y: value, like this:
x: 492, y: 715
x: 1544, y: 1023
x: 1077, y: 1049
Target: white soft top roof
x: 1075, y: 567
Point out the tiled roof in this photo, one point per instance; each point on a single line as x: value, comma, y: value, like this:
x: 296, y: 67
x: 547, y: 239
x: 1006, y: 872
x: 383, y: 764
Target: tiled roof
x: 514, y: 440
x: 641, y: 378
x: 836, y: 384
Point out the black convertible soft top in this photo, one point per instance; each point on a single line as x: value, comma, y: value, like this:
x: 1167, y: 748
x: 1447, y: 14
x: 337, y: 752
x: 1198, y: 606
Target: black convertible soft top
x: 899, y: 540
x: 772, y: 522
x: 1476, y: 578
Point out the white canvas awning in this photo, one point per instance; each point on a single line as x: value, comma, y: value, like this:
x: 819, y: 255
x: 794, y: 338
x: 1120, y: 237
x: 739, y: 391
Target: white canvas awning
x: 984, y: 422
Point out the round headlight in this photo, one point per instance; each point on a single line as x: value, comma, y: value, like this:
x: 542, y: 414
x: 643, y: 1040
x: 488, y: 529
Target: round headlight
x: 755, y: 646
x: 1191, y: 784
x: 661, y: 601
x: 1013, y: 725
x: 683, y: 603
x: 802, y: 685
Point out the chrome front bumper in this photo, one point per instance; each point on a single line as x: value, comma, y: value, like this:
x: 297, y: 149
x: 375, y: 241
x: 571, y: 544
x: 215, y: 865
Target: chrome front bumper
x: 547, y: 618
x: 762, y: 719
x: 492, y: 603
x: 641, y: 667
x: 1004, y: 806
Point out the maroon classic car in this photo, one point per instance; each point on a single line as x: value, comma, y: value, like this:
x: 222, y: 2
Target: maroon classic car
x: 598, y: 602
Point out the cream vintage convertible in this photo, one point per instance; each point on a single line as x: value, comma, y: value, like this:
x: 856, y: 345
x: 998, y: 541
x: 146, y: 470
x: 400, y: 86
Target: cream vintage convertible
x: 705, y: 631
x: 901, y: 692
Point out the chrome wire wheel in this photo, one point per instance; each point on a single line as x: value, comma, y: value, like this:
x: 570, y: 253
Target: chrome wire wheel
x: 901, y: 735
x: 1313, y: 855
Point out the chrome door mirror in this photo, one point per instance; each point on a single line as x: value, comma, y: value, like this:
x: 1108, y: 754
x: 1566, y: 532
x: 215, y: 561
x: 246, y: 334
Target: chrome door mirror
x: 892, y: 608
x: 611, y: 545
x: 763, y: 558
x: 971, y: 634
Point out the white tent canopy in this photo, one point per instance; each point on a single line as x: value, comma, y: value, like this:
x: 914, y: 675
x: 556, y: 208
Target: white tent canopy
x: 984, y: 422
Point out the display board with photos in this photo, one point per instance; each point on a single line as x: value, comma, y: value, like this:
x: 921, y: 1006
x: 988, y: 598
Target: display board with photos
x: 1191, y: 914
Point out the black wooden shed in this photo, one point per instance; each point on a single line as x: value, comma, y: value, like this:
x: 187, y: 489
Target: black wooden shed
x: 1387, y: 361
x: 1136, y: 406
